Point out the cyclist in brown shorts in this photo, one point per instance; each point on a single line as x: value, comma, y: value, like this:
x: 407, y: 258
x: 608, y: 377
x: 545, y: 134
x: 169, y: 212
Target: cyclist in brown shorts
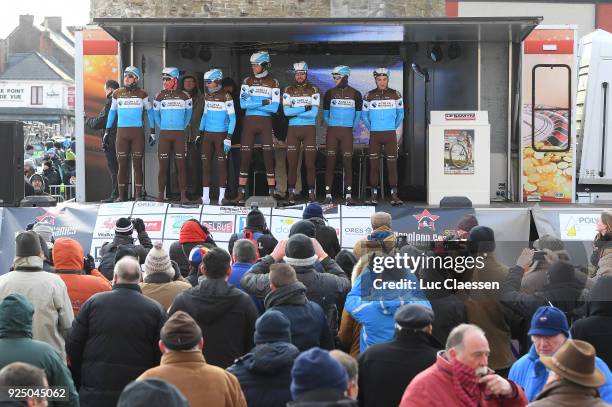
x: 301, y: 105
x: 341, y: 112
x: 127, y: 107
x: 383, y: 113
x: 172, y: 108
x: 260, y: 98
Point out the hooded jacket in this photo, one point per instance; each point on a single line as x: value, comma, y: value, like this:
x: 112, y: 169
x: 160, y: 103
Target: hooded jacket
x: 308, y: 324
x: 596, y: 328
x: 190, y: 236
x: 193, y: 129
x: 17, y: 345
x: 531, y: 374
x: 48, y: 294
x: 265, y: 374
x: 113, y: 340
x: 226, y: 316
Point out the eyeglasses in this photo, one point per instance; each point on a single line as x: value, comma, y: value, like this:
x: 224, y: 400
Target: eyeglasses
x: 336, y: 77
x: 129, y: 75
x: 208, y: 81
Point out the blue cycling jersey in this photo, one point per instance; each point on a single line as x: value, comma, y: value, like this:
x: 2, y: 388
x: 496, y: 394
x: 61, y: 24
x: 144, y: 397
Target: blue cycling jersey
x: 296, y: 99
x: 219, y: 115
x: 172, y: 109
x: 342, y: 106
x: 254, y: 91
x: 127, y: 107
x: 383, y: 110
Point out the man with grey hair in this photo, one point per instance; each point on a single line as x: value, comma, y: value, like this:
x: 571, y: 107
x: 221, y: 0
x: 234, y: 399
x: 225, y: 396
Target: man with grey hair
x: 461, y: 376
x: 114, y: 338
x: 382, y: 238
x: 244, y: 255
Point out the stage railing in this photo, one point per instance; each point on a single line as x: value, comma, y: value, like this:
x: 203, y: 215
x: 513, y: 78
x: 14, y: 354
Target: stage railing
x: 63, y: 193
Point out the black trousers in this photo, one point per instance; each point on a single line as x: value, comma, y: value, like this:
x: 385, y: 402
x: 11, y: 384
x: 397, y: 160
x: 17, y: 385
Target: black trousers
x: 113, y: 167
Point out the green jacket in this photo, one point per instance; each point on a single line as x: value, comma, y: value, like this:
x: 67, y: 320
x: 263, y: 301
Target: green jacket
x: 17, y: 345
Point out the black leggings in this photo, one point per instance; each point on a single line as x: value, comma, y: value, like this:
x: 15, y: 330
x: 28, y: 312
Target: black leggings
x: 251, y: 126
x: 305, y: 135
x: 130, y: 140
x: 171, y: 141
x: 210, y: 141
x: 339, y: 137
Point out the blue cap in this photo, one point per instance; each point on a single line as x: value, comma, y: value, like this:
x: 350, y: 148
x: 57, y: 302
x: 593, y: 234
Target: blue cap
x: 214, y: 75
x: 171, y: 72
x: 548, y: 321
x: 132, y: 70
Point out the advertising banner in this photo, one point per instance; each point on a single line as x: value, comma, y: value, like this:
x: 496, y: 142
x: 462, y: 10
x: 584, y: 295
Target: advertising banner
x: 458, y: 152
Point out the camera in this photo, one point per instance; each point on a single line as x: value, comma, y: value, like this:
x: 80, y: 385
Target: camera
x: 538, y: 255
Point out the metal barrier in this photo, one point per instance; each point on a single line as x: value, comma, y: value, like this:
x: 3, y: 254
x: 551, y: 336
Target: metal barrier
x: 63, y: 193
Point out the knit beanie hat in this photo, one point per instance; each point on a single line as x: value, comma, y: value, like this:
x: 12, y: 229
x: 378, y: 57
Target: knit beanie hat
x: 27, y: 244
x: 45, y: 230
x: 299, y: 251
x: 316, y: 369
x: 180, y: 332
x: 158, y: 261
x: 313, y: 210
x: 482, y: 239
x: 124, y: 226
x: 256, y: 219
x: 67, y: 254
x: 467, y: 223
x: 304, y: 227
x: 196, y: 255
x: 151, y: 393
x: 272, y: 326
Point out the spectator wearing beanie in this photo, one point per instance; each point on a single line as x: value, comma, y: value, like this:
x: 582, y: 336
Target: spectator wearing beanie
x: 596, y: 328
x: 301, y: 252
x: 309, y: 327
x: 192, y: 234
x: 124, y: 228
x: 386, y: 369
x: 225, y: 314
x: 382, y: 239
x: 255, y: 229
x: 318, y: 379
x: 265, y: 372
x: 465, y: 225
x: 549, y: 331
x: 483, y: 307
x: 183, y: 365
x: 114, y: 338
x: 325, y: 234
x: 46, y: 291
x: 45, y: 231
x: 68, y: 257
x: 17, y: 345
x: 159, y: 283
x: 562, y: 289
x: 151, y: 393
x: 196, y: 255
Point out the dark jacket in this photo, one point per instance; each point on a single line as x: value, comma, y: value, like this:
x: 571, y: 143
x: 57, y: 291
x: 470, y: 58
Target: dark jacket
x: 239, y: 270
x: 17, y: 345
x: 324, y: 288
x: 308, y: 324
x: 225, y: 314
x: 180, y: 253
x: 68, y: 171
x: 99, y: 122
x: 265, y: 374
x: 113, y: 340
x: 565, y: 296
x: 564, y: 393
x: 597, y: 327
x: 53, y: 177
x: 265, y: 243
x: 386, y: 369
x: 108, y: 250
x: 323, y: 398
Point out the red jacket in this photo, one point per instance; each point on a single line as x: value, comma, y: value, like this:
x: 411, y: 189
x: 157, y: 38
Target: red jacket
x: 433, y: 387
x: 81, y: 286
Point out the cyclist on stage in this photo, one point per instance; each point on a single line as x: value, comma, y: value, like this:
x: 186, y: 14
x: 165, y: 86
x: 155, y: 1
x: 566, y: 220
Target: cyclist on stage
x: 217, y: 126
x: 173, y: 110
x: 383, y: 113
x: 341, y: 112
x: 301, y: 105
x: 127, y: 107
x: 260, y: 98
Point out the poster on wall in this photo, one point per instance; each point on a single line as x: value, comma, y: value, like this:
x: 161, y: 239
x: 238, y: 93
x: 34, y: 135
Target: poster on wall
x: 459, y: 151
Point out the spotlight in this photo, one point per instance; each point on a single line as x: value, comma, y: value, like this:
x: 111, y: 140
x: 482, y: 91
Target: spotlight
x: 422, y: 72
x: 454, y: 51
x: 187, y: 51
x: 436, y: 54
x: 205, y: 54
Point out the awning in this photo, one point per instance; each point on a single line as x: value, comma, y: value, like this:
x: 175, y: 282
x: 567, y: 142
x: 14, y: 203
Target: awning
x: 309, y: 30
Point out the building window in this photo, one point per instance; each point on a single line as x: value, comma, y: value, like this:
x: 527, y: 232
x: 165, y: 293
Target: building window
x: 37, y: 95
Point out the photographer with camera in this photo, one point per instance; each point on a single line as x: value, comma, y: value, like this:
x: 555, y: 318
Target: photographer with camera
x: 124, y: 228
x: 78, y: 272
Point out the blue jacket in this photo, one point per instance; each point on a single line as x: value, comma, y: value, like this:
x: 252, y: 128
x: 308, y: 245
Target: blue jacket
x: 238, y: 270
x: 265, y: 374
x: 531, y: 374
x: 374, y: 308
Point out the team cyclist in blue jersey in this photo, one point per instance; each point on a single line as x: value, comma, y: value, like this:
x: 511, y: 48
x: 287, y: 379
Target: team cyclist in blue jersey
x: 216, y: 129
x: 127, y: 108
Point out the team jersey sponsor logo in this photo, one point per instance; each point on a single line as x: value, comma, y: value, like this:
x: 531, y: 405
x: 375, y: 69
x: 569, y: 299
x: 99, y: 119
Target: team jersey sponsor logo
x: 383, y: 104
x: 343, y: 102
x: 173, y: 104
x: 130, y: 102
x: 302, y: 101
x: 261, y: 91
x: 214, y: 105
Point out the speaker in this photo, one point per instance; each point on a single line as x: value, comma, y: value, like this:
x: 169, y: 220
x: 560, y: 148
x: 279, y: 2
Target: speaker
x: 38, y: 201
x: 455, y: 202
x: 11, y: 163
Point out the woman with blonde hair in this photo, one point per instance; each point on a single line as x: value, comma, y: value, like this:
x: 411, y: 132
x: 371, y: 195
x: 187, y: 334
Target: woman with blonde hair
x: 602, y: 244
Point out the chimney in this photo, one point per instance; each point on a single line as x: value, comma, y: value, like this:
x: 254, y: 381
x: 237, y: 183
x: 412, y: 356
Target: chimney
x: 45, y: 44
x: 26, y: 20
x: 53, y: 23
x: 3, y: 54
